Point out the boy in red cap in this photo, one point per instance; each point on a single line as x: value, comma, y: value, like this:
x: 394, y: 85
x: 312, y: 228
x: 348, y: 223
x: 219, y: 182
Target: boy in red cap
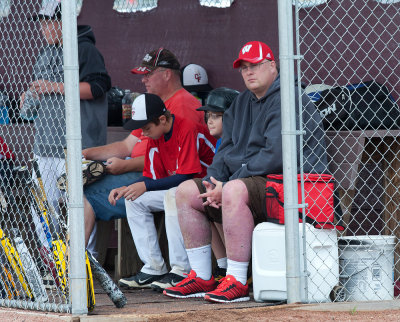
x: 233, y: 192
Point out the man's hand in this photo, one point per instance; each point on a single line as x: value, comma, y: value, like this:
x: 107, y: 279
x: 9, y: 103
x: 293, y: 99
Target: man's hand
x: 213, y: 193
x: 21, y: 100
x: 130, y: 192
x: 43, y: 86
x: 115, y: 165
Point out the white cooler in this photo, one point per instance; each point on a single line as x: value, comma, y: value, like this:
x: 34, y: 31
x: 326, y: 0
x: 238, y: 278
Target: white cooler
x: 269, y: 263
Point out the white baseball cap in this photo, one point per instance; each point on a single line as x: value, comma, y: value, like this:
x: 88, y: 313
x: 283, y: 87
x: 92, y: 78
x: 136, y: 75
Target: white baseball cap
x: 51, y: 10
x: 194, y: 78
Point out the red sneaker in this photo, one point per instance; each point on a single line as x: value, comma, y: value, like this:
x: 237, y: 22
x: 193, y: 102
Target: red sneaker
x: 191, y: 286
x: 229, y: 290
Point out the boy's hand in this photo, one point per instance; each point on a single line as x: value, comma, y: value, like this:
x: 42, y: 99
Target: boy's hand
x: 135, y: 191
x: 213, y: 193
x: 116, y: 194
x: 130, y: 192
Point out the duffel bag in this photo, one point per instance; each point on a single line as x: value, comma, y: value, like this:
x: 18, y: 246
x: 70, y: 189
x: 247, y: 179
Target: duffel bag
x: 362, y: 106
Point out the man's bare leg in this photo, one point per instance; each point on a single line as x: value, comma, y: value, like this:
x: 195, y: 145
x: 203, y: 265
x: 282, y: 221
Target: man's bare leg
x: 195, y: 227
x: 238, y: 224
x: 89, y: 219
x: 217, y: 243
x: 194, y: 224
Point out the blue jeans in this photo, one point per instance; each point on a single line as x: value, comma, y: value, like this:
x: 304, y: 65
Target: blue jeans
x: 97, y: 194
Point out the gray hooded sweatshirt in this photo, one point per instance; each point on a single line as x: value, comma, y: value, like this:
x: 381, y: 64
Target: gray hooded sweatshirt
x: 50, y: 122
x: 252, y: 140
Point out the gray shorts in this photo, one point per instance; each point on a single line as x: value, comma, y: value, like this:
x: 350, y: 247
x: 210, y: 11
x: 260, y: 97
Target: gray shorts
x: 256, y: 190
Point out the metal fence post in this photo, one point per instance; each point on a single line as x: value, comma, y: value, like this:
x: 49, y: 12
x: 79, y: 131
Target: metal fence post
x: 77, y: 271
x: 289, y: 151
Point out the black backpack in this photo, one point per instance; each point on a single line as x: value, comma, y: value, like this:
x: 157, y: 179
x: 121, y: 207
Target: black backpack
x: 363, y: 106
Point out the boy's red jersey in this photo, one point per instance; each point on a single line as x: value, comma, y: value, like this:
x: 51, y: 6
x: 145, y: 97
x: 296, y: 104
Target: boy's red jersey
x: 190, y: 150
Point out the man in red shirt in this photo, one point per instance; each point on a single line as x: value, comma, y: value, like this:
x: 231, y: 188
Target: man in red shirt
x: 177, y: 150
x: 161, y: 76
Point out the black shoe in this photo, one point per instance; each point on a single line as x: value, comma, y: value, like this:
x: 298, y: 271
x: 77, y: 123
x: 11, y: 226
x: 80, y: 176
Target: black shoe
x: 169, y: 280
x: 140, y: 280
x: 220, y: 273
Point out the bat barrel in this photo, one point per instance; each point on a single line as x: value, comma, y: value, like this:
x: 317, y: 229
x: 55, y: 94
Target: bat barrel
x: 107, y: 283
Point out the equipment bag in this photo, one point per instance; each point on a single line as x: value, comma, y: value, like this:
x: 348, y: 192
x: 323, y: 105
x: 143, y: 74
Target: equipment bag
x: 362, y: 106
x: 114, y: 97
x: 319, y: 197
x: 5, y: 151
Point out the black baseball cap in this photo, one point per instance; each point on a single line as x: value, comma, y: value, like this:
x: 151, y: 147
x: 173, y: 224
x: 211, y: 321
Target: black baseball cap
x: 145, y: 108
x: 219, y: 99
x: 157, y: 58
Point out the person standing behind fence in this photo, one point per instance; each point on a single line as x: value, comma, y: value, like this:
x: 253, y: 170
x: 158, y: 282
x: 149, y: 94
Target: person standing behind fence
x: 233, y: 192
x: 46, y: 96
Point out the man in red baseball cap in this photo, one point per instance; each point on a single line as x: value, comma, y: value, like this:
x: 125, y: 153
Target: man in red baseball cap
x: 257, y: 65
x: 233, y: 191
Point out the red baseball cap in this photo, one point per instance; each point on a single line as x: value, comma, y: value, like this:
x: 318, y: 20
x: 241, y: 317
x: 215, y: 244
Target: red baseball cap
x: 254, y: 52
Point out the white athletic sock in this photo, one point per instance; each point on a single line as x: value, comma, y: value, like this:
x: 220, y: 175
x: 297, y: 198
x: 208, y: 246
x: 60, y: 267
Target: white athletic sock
x: 222, y: 262
x: 238, y: 270
x: 200, y: 261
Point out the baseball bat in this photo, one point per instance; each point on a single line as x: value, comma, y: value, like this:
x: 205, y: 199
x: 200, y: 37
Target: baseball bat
x: 39, y: 195
x: 53, y: 256
x: 56, y: 264
x: 91, y: 301
x: 107, y: 283
x: 8, y: 279
x: 9, y: 283
x: 30, y: 269
x: 59, y: 244
x: 4, y: 291
x: 15, y: 262
x: 61, y: 262
x: 6, y: 288
x: 59, y: 252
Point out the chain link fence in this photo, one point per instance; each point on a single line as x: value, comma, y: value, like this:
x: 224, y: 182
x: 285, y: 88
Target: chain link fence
x: 349, y: 62
x: 33, y: 220
x: 349, y: 65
